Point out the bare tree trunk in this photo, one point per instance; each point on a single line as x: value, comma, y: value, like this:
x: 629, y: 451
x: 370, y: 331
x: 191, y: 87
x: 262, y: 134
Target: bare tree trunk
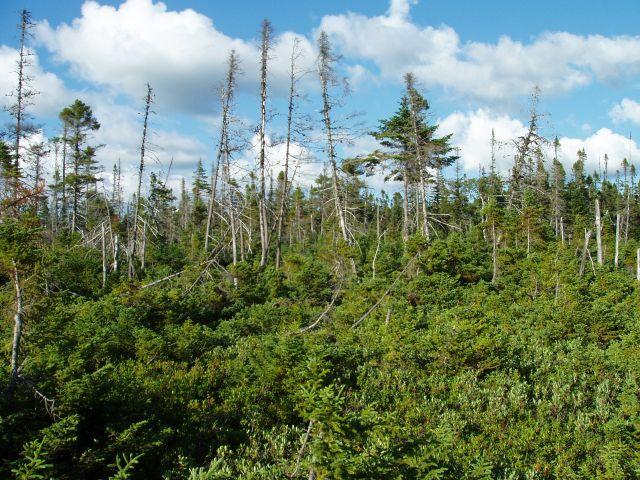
x: 104, y: 257
x: 375, y: 256
x: 617, y: 252
x: 284, y: 194
x: 262, y: 200
x: 562, y: 230
x: 143, y: 250
x: 63, y: 213
x: 325, y: 70
x: 405, y: 205
x: 116, y: 252
x: 599, y: 234
x: 626, y: 221
x: 214, y: 186
x: 17, y: 333
x: 143, y: 146
x: 585, y: 251
x: 495, y: 239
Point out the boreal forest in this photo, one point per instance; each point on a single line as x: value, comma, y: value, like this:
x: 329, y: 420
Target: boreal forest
x: 461, y: 325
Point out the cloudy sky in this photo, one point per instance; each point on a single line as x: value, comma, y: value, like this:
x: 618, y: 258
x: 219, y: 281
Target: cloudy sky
x: 476, y: 62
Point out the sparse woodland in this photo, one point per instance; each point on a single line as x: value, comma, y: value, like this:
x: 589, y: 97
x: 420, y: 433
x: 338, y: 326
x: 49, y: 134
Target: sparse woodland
x: 463, y: 327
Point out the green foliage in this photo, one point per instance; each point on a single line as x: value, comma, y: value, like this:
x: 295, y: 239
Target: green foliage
x: 33, y: 465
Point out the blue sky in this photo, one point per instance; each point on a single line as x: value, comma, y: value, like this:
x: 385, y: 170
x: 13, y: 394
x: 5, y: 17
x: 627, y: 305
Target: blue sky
x: 476, y: 63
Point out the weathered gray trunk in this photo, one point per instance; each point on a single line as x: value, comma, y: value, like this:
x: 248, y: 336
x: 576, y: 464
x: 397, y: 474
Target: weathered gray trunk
x: 599, y: 234
x: 617, y: 248
x: 585, y: 251
x: 143, y: 146
x: 17, y: 332
x: 262, y: 198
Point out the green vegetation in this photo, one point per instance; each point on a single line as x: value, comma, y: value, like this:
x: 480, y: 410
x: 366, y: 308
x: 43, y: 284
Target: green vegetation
x: 465, y: 328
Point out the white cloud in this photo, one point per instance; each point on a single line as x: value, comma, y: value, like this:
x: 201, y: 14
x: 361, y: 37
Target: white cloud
x: 52, y: 94
x: 626, y: 110
x: 472, y: 135
x: 555, y: 61
x: 602, y: 142
x: 181, y: 53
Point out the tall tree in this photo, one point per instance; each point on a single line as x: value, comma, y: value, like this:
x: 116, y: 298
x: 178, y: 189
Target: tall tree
x: 79, y: 121
x: 148, y: 100
x: 21, y: 127
x: 294, y: 77
x: 326, y: 61
x: 262, y: 200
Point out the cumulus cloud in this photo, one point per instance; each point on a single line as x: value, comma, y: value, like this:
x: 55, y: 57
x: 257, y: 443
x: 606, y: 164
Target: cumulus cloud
x: 181, y: 53
x: 626, y: 110
x: 602, y: 142
x: 472, y: 134
x: 557, y: 62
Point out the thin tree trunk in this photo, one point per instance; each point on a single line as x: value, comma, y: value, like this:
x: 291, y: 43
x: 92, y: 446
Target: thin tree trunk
x: 143, y: 250
x: 494, y: 255
x: 599, y: 234
x: 262, y: 201
x: 325, y: 59
x: 17, y: 333
x: 405, y: 206
x: 617, y: 251
x: 104, y: 257
x: 418, y: 151
x: 585, y: 250
x: 143, y: 145
x: 284, y: 194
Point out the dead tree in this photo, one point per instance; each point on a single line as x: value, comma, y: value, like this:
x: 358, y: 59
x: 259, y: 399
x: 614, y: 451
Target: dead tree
x: 284, y: 194
x: 148, y: 100
x: 23, y: 95
x: 617, y: 248
x: 326, y: 59
x: 585, y: 251
x: 599, y: 233
x: 262, y: 206
x: 227, y: 91
x: 17, y: 332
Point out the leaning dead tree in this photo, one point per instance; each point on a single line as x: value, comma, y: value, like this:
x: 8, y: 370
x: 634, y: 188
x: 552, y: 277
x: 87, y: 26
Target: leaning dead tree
x: 326, y: 59
x: 262, y: 200
x: 148, y: 100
